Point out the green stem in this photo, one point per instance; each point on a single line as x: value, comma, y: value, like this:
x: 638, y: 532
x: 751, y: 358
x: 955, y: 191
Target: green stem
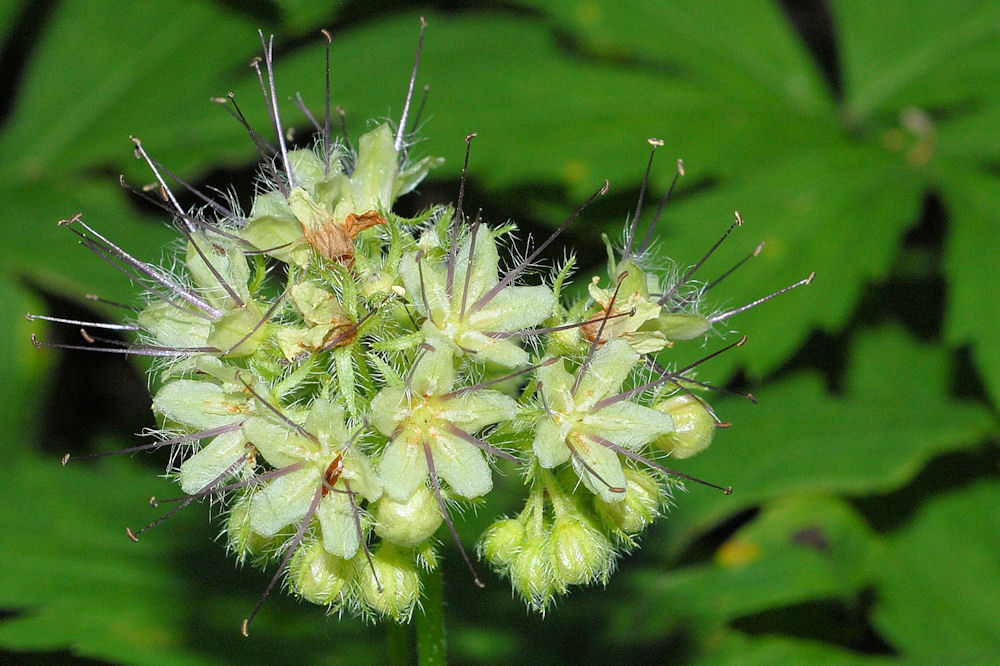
x: 399, y: 638
x: 432, y: 643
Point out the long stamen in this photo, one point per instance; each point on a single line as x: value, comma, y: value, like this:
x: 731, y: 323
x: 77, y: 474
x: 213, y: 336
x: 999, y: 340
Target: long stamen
x: 133, y: 275
x: 272, y: 101
x: 240, y: 485
x: 209, y: 489
x: 743, y: 308
x: 137, y: 265
x: 345, y: 159
x: 356, y: 514
x: 659, y: 211
x: 479, y: 443
x: 420, y: 109
x: 77, y: 322
x: 277, y: 412
x: 436, y: 483
x: 401, y: 132
x: 738, y: 222
x: 456, y: 221
x: 514, y: 272
x: 728, y: 490
x: 630, y: 235
x: 756, y: 251
x: 190, y: 219
x: 264, y: 147
x: 498, y: 380
x: 667, y: 377
x: 123, y: 306
x: 503, y: 335
x: 195, y: 436
x: 222, y: 210
x: 263, y: 320
x: 294, y: 544
x: 473, y: 232
x: 685, y: 383
x: 327, y: 147
x: 423, y: 288
x: 424, y: 349
x: 156, y: 172
x: 135, y: 350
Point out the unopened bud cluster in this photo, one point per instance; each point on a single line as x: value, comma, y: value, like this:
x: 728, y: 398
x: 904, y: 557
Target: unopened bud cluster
x: 345, y: 380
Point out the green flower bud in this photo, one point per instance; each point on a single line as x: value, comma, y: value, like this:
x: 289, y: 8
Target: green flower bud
x: 395, y: 570
x: 694, y: 426
x: 317, y: 575
x: 580, y: 553
x: 240, y: 538
x: 680, y: 326
x: 502, y: 542
x: 531, y: 572
x: 640, y: 507
x: 408, y: 523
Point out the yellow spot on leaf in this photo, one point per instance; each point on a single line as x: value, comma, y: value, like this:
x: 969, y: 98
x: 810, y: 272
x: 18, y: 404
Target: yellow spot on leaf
x: 737, y: 553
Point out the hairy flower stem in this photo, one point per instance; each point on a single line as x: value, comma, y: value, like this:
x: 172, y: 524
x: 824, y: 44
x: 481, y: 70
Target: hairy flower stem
x: 432, y: 640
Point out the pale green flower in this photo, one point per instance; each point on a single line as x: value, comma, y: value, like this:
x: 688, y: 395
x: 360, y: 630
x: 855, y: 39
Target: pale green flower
x: 579, y: 425
x: 426, y: 419
x: 314, y: 461
x: 464, y: 315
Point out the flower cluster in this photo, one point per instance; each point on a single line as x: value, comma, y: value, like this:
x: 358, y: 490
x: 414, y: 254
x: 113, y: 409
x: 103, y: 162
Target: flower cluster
x: 342, y: 379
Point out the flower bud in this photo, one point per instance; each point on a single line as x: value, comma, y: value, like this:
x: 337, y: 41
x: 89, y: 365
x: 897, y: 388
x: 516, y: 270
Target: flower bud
x: 639, y: 508
x: 317, y: 575
x: 428, y: 557
x: 241, y: 539
x: 396, y: 572
x: 501, y: 542
x: 531, y: 573
x: 580, y: 553
x: 694, y: 426
x: 408, y: 523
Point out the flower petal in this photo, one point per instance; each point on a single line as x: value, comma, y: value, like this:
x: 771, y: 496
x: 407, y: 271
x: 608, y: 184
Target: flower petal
x: 484, y: 269
x: 475, y: 410
x: 340, y: 531
x: 283, y: 501
x: 199, y: 404
x: 605, y: 464
x: 550, y: 443
x: 627, y: 424
x: 555, y: 385
x: 514, y: 309
x: 488, y: 349
x: 425, y: 286
x: 280, y: 445
x: 462, y: 465
x: 219, y: 455
x: 403, y: 467
x: 605, y: 374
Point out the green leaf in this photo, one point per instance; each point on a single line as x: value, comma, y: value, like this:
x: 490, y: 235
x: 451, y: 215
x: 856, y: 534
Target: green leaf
x: 76, y: 582
x: 973, y: 262
x: 732, y: 647
x: 894, y: 415
x: 937, y: 599
x: 799, y: 548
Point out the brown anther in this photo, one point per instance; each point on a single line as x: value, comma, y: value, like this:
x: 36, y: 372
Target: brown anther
x: 335, y: 241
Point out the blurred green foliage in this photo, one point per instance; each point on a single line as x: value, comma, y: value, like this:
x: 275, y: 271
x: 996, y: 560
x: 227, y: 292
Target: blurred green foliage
x: 857, y: 139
